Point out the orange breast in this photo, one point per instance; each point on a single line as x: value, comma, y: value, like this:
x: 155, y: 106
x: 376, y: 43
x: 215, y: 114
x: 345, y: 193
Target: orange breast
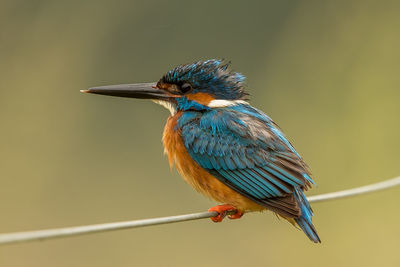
x: 195, y: 175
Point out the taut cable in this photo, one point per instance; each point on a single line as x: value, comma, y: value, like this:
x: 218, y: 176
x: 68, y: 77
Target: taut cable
x: 96, y: 228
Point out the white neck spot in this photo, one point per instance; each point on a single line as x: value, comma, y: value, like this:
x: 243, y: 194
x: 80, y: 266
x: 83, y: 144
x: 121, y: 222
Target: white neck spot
x: 220, y: 103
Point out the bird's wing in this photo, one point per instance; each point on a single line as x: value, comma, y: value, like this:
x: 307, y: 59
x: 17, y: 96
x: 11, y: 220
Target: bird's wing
x: 245, y: 150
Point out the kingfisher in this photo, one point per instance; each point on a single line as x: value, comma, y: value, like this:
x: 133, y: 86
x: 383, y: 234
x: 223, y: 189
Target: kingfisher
x: 223, y: 147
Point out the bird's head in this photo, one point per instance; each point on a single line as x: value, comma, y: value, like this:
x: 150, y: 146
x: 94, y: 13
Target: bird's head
x: 197, y: 86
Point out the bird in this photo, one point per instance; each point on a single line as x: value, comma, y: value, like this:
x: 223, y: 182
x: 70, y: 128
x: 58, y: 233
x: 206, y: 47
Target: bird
x: 223, y: 147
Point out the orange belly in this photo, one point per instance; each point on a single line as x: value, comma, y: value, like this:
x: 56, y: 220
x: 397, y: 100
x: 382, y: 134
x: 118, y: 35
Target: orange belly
x: 196, y: 176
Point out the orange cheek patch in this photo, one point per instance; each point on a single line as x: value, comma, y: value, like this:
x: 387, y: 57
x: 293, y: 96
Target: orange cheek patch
x: 164, y: 86
x: 201, y: 98
x: 169, y: 88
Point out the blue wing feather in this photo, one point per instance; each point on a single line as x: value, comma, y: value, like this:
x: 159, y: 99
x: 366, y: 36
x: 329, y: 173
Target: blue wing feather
x: 245, y: 149
x: 242, y: 138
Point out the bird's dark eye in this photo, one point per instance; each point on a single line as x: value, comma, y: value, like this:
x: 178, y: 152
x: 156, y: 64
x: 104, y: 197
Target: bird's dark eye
x: 186, y: 87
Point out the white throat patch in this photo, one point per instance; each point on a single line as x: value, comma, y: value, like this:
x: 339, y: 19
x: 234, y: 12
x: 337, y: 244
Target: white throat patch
x: 166, y: 105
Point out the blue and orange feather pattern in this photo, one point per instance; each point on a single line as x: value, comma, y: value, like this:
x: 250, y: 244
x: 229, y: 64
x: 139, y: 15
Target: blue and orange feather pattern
x: 199, y: 178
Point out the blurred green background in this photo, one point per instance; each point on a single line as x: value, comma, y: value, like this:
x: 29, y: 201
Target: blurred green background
x: 326, y: 71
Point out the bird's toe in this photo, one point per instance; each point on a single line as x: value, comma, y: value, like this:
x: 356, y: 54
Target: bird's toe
x: 223, y: 211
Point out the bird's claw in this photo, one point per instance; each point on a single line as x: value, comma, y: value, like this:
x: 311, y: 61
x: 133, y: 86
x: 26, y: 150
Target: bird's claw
x: 224, y: 210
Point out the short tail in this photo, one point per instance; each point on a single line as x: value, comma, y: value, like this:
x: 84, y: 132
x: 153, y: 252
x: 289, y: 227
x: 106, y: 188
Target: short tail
x: 305, y: 220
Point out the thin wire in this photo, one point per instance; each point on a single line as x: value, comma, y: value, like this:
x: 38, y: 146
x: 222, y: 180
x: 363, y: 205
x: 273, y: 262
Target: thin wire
x: 96, y: 228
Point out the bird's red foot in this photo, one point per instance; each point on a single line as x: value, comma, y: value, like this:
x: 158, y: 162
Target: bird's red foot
x: 223, y: 211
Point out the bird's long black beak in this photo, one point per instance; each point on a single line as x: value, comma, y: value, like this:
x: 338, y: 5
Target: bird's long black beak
x: 138, y: 90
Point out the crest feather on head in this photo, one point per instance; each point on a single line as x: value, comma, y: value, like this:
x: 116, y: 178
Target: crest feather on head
x: 211, y: 76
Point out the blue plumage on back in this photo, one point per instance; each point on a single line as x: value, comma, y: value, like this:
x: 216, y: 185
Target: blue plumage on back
x: 244, y: 149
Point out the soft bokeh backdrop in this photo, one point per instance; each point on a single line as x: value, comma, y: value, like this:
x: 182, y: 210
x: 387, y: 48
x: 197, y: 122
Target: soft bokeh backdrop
x: 326, y: 71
